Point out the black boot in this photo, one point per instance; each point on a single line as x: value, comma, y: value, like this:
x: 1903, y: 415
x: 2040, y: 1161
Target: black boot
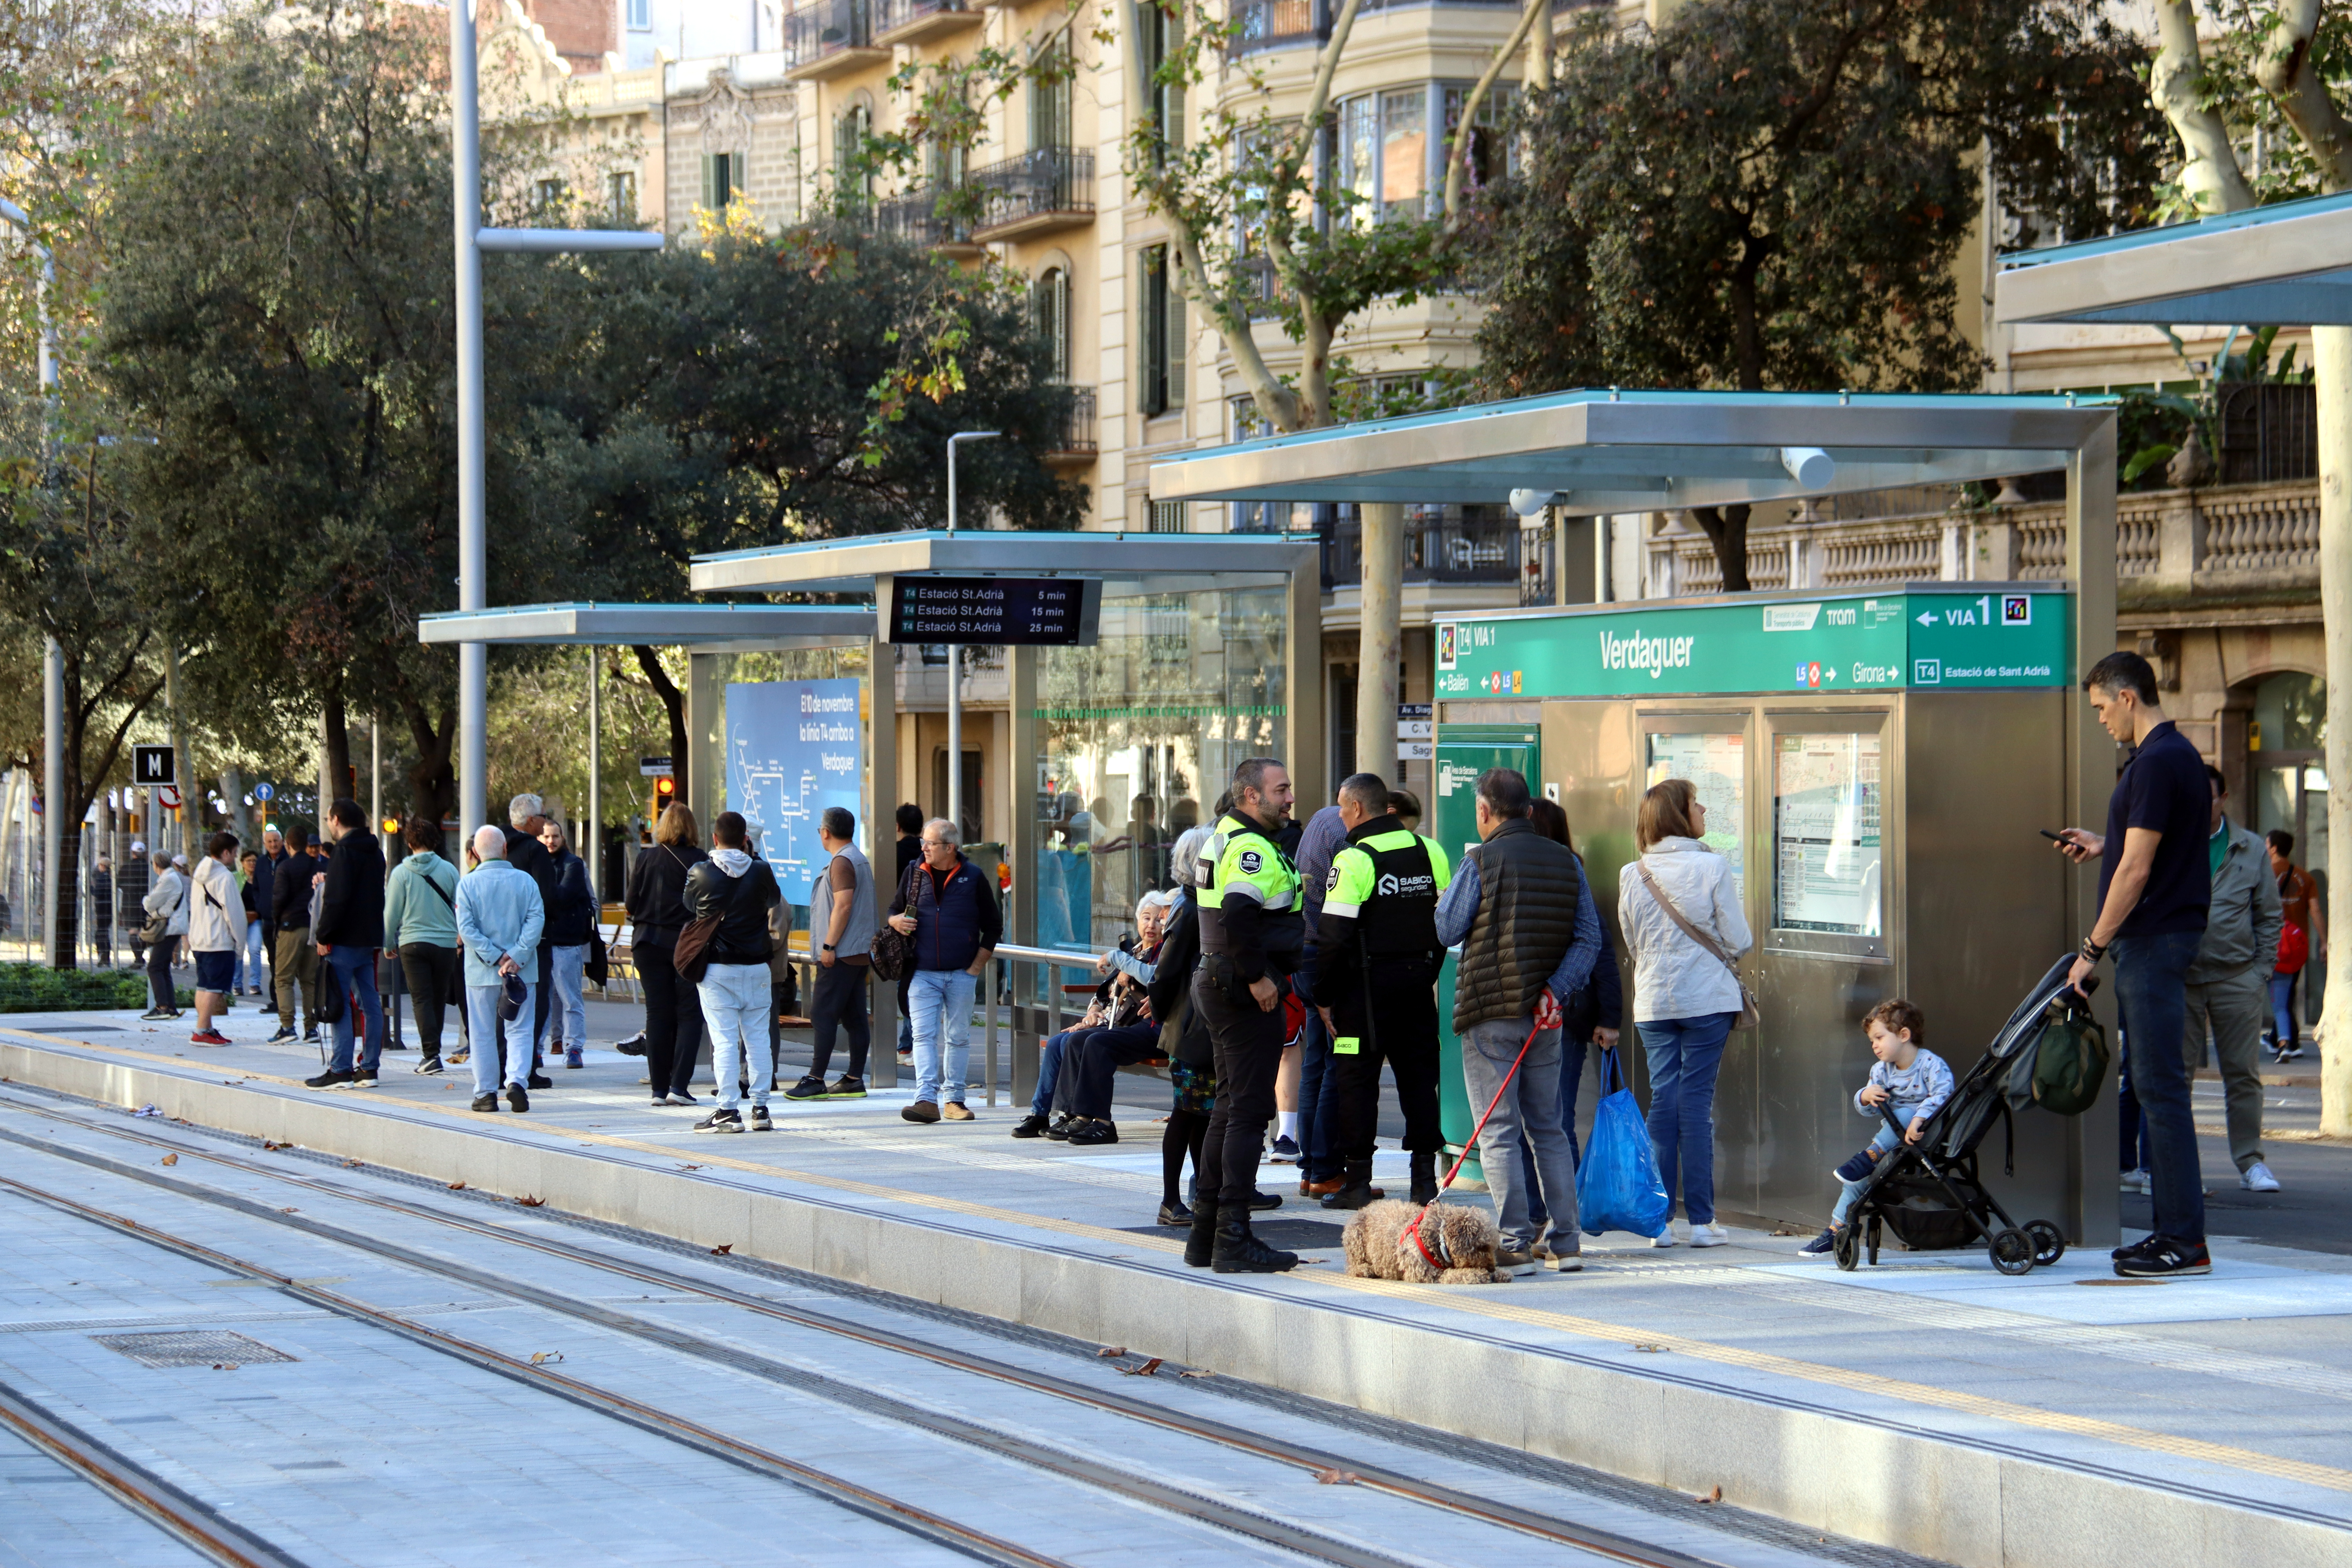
x: 1424, y: 1175
x: 1356, y: 1191
x: 1199, y: 1247
x: 1239, y: 1252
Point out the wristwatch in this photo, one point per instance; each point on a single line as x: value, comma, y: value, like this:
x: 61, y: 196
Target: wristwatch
x: 2093, y: 951
x: 828, y: 947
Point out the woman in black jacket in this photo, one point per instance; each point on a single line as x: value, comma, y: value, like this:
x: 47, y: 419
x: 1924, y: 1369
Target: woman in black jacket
x: 656, y: 905
x: 1183, y: 1033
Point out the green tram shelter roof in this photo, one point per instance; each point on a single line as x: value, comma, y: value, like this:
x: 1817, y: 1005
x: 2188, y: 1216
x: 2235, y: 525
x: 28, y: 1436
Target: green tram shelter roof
x: 2290, y: 262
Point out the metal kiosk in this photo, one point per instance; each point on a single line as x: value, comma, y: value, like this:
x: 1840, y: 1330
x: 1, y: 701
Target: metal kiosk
x: 1879, y: 765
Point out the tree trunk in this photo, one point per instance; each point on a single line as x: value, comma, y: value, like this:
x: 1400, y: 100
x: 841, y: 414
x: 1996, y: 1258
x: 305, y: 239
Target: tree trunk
x: 335, y: 738
x: 432, y: 782
x: 1535, y: 18
x: 2176, y: 85
x: 674, y: 704
x: 2331, y: 352
x: 2286, y: 73
x: 1377, y: 640
x: 1727, y: 529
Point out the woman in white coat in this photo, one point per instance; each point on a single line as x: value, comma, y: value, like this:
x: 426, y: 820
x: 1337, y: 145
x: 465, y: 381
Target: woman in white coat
x: 1686, y: 999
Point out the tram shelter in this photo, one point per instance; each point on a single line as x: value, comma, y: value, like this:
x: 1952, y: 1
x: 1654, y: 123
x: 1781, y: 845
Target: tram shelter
x: 1954, y: 774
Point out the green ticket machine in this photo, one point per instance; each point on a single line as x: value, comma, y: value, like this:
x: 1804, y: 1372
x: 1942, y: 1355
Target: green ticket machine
x: 1876, y: 768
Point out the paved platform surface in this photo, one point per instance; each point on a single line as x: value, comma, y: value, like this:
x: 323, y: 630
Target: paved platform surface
x: 2236, y: 1388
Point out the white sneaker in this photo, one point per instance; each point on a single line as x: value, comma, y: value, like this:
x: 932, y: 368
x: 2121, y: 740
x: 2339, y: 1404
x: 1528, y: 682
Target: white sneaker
x: 2136, y: 1182
x: 1665, y: 1237
x: 1708, y: 1235
x: 2257, y: 1178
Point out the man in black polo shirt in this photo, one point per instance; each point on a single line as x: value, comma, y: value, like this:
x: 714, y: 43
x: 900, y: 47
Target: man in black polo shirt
x: 2154, y: 886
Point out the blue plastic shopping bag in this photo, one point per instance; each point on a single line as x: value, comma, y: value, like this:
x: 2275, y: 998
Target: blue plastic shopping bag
x: 1617, y: 1187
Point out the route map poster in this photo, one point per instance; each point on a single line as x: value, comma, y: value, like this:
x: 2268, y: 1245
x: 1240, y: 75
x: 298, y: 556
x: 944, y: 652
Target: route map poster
x: 794, y: 748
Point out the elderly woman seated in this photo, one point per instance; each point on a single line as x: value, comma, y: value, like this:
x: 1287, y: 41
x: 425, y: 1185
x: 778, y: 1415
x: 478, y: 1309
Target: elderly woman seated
x: 1118, y: 1028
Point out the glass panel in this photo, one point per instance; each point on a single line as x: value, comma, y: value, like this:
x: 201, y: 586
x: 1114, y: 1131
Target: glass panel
x: 1405, y: 143
x: 1825, y: 834
x: 1136, y: 737
x: 2291, y: 713
x: 1356, y: 155
x: 1717, y: 766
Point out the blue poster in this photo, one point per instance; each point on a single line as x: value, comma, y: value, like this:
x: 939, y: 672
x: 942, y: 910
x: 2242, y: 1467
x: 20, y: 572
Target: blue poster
x: 794, y: 748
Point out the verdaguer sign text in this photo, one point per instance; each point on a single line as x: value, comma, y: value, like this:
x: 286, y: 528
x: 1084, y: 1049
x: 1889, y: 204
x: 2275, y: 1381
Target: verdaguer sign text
x: 1877, y: 643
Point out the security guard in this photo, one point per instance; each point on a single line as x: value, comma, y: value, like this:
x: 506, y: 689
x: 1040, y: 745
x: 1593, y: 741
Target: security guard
x: 1253, y: 934
x: 1376, y: 962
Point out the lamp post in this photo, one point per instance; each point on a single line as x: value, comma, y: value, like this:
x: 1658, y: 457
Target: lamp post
x: 53, y: 659
x: 471, y: 239
x: 955, y: 656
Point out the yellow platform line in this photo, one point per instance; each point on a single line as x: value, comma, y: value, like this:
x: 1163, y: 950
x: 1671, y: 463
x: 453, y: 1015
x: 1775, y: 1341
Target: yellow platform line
x: 1846, y: 1378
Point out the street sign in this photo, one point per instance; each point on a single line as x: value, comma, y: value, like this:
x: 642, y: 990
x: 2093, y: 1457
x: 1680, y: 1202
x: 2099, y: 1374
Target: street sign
x: 152, y: 766
x: 654, y: 768
x: 1416, y: 751
x: 264, y: 790
x: 170, y: 795
x: 1038, y: 612
x: 1414, y: 722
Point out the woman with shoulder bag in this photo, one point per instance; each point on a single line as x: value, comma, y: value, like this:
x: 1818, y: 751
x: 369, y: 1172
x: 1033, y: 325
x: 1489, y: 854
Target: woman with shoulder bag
x: 656, y: 905
x: 166, y: 907
x: 1679, y: 907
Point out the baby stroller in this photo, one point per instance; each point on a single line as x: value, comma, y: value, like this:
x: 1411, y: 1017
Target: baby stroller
x: 1929, y: 1193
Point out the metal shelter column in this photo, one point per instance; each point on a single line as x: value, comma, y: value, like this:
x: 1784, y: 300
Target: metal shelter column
x: 881, y: 804
x: 2091, y: 564
x: 1021, y: 852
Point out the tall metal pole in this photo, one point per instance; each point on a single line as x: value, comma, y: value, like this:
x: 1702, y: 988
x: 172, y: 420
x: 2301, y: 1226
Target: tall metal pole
x: 592, y: 852
x: 53, y: 659
x: 473, y: 561
x: 955, y: 657
x: 376, y: 777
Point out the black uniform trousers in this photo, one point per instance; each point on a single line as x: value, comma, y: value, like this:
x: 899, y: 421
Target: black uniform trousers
x: 1247, y: 1041
x: 1403, y: 1032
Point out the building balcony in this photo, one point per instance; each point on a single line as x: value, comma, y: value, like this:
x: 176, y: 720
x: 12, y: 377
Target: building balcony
x: 915, y: 216
x: 1261, y: 25
x: 1044, y: 189
x: 899, y: 22
x: 830, y: 38
x: 1077, y: 443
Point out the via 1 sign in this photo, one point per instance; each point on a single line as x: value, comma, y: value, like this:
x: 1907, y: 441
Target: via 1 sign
x: 1032, y: 611
x: 1967, y: 639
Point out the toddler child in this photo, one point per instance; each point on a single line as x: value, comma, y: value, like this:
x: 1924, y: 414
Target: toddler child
x: 1914, y: 1080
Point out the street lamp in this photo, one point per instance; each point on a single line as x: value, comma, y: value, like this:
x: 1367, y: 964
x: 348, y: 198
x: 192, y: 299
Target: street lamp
x: 53, y: 660
x: 472, y: 239
x: 955, y: 655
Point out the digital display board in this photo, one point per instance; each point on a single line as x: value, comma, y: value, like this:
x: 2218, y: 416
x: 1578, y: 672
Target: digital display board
x: 1035, y: 611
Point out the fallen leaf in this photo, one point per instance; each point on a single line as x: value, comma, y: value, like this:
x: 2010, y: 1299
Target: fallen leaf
x: 351, y: 1165
x: 1146, y: 1369
x: 1715, y: 1496
x: 170, y: 1159
x: 267, y: 1145
x: 1652, y: 1350
x: 1338, y: 1478
x: 722, y: 1249
x: 1197, y: 1372
x: 224, y: 1366
x: 532, y: 1202
x: 456, y: 1187
x: 549, y: 1358
x: 690, y: 1167
x: 1109, y: 1351
x: 290, y: 1211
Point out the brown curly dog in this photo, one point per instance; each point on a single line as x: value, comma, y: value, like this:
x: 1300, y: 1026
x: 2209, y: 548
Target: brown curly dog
x: 1462, y: 1241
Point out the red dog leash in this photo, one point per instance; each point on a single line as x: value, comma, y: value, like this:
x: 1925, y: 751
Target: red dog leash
x: 1548, y: 1016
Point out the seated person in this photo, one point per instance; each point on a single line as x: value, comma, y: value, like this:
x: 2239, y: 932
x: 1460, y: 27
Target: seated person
x: 1914, y: 1080
x: 1115, y: 1003
x: 1132, y: 1034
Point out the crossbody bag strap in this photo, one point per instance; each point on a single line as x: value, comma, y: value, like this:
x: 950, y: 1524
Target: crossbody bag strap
x: 1688, y: 929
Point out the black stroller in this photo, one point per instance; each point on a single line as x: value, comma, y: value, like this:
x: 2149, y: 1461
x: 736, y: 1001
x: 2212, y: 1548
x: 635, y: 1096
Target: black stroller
x: 1929, y: 1193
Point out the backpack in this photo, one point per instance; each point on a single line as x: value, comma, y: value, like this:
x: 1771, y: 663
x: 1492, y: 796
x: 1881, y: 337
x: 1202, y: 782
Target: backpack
x: 2062, y: 1068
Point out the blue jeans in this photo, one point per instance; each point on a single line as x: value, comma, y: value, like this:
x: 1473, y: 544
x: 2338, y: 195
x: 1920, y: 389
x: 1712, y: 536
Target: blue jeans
x: 735, y: 1006
x: 1884, y: 1140
x: 482, y: 1030
x: 568, y: 1009
x: 1049, y: 1071
x: 1684, y: 1056
x: 354, y: 969
x: 2154, y: 1001
x: 2283, y: 1008
x: 1571, y: 1075
x: 942, y: 1001
x: 1522, y: 1118
x: 248, y: 968
x: 1319, y: 1103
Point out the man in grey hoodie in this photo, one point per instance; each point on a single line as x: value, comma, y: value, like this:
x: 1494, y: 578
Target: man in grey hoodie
x: 739, y: 890
x: 2227, y: 982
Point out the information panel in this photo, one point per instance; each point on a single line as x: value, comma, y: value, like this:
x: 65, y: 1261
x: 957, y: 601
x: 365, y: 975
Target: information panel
x: 1034, y: 610
x: 1716, y: 766
x: 1825, y: 824
x: 794, y: 748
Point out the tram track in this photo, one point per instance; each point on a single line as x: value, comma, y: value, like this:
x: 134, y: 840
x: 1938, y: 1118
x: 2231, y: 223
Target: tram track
x: 1247, y: 1522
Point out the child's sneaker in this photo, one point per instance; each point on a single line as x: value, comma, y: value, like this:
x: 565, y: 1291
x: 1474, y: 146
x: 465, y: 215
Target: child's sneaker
x: 572, y: 1058
x: 1859, y: 1167
x: 1820, y: 1246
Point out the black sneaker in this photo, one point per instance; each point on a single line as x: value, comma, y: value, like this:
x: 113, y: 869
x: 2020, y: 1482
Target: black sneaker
x: 760, y: 1123
x: 2166, y: 1259
x: 1058, y: 1130
x: 1094, y: 1132
x: 635, y: 1046
x: 429, y: 1067
x: 721, y: 1120
x: 1857, y: 1168
x: 310, y: 1035
x: 1820, y: 1246
x: 363, y: 1078
x: 1264, y: 1200
x: 1175, y: 1214
x: 485, y: 1102
x: 333, y: 1078
x: 845, y: 1088
x: 1283, y: 1152
x: 515, y: 1098
x: 2134, y: 1249
x: 281, y: 1036
x: 1030, y: 1126
x: 810, y: 1087
x: 541, y: 1080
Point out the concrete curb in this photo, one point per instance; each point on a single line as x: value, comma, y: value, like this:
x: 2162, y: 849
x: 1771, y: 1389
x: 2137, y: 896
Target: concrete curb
x: 1888, y: 1480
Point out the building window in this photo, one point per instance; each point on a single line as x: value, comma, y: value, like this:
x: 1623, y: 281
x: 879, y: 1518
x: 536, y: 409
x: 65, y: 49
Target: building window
x: 1491, y: 154
x: 1050, y: 301
x: 853, y: 165
x: 1161, y: 325
x: 547, y: 196
x: 1164, y: 41
x: 1168, y: 517
x: 1050, y: 91
x: 641, y: 15
x: 722, y: 179
x: 621, y: 196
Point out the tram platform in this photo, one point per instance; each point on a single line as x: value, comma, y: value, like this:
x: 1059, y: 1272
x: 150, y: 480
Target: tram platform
x: 1930, y: 1404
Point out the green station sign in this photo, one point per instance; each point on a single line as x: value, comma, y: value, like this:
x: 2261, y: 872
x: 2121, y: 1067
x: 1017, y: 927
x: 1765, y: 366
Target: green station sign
x: 1913, y: 641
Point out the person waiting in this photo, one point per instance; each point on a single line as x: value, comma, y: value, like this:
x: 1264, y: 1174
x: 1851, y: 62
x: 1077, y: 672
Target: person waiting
x: 1132, y: 1031
x: 571, y: 922
x: 736, y: 890
x: 656, y: 905
x: 841, y: 932
x: 499, y: 918
x: 1120, y: 993
x: 2227, y: 983
x: 949, y: 906
x: 420, y: 925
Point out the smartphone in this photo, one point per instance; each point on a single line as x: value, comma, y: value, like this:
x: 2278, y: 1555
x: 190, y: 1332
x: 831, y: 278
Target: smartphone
x: 2055, y: 838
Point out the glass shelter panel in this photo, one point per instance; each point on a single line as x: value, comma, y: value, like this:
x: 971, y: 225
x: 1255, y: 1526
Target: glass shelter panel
x: 1715, y: 764
x: 1825, y: 829
x: 1136, y: 738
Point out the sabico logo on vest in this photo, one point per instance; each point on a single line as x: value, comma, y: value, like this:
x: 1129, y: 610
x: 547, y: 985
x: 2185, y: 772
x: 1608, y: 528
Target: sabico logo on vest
x: 1392, y: 885
x: 1657, y: 655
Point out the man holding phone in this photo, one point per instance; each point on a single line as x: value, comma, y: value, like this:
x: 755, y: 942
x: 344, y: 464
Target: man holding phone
x: 2155, y: 886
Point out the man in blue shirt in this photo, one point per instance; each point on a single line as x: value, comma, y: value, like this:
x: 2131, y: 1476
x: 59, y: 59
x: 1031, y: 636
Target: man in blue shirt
x: 500, y: 918
x: 2154, y: 884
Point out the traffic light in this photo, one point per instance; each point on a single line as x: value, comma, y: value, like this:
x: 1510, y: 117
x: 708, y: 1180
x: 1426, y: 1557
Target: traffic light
x: 664, y: 792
